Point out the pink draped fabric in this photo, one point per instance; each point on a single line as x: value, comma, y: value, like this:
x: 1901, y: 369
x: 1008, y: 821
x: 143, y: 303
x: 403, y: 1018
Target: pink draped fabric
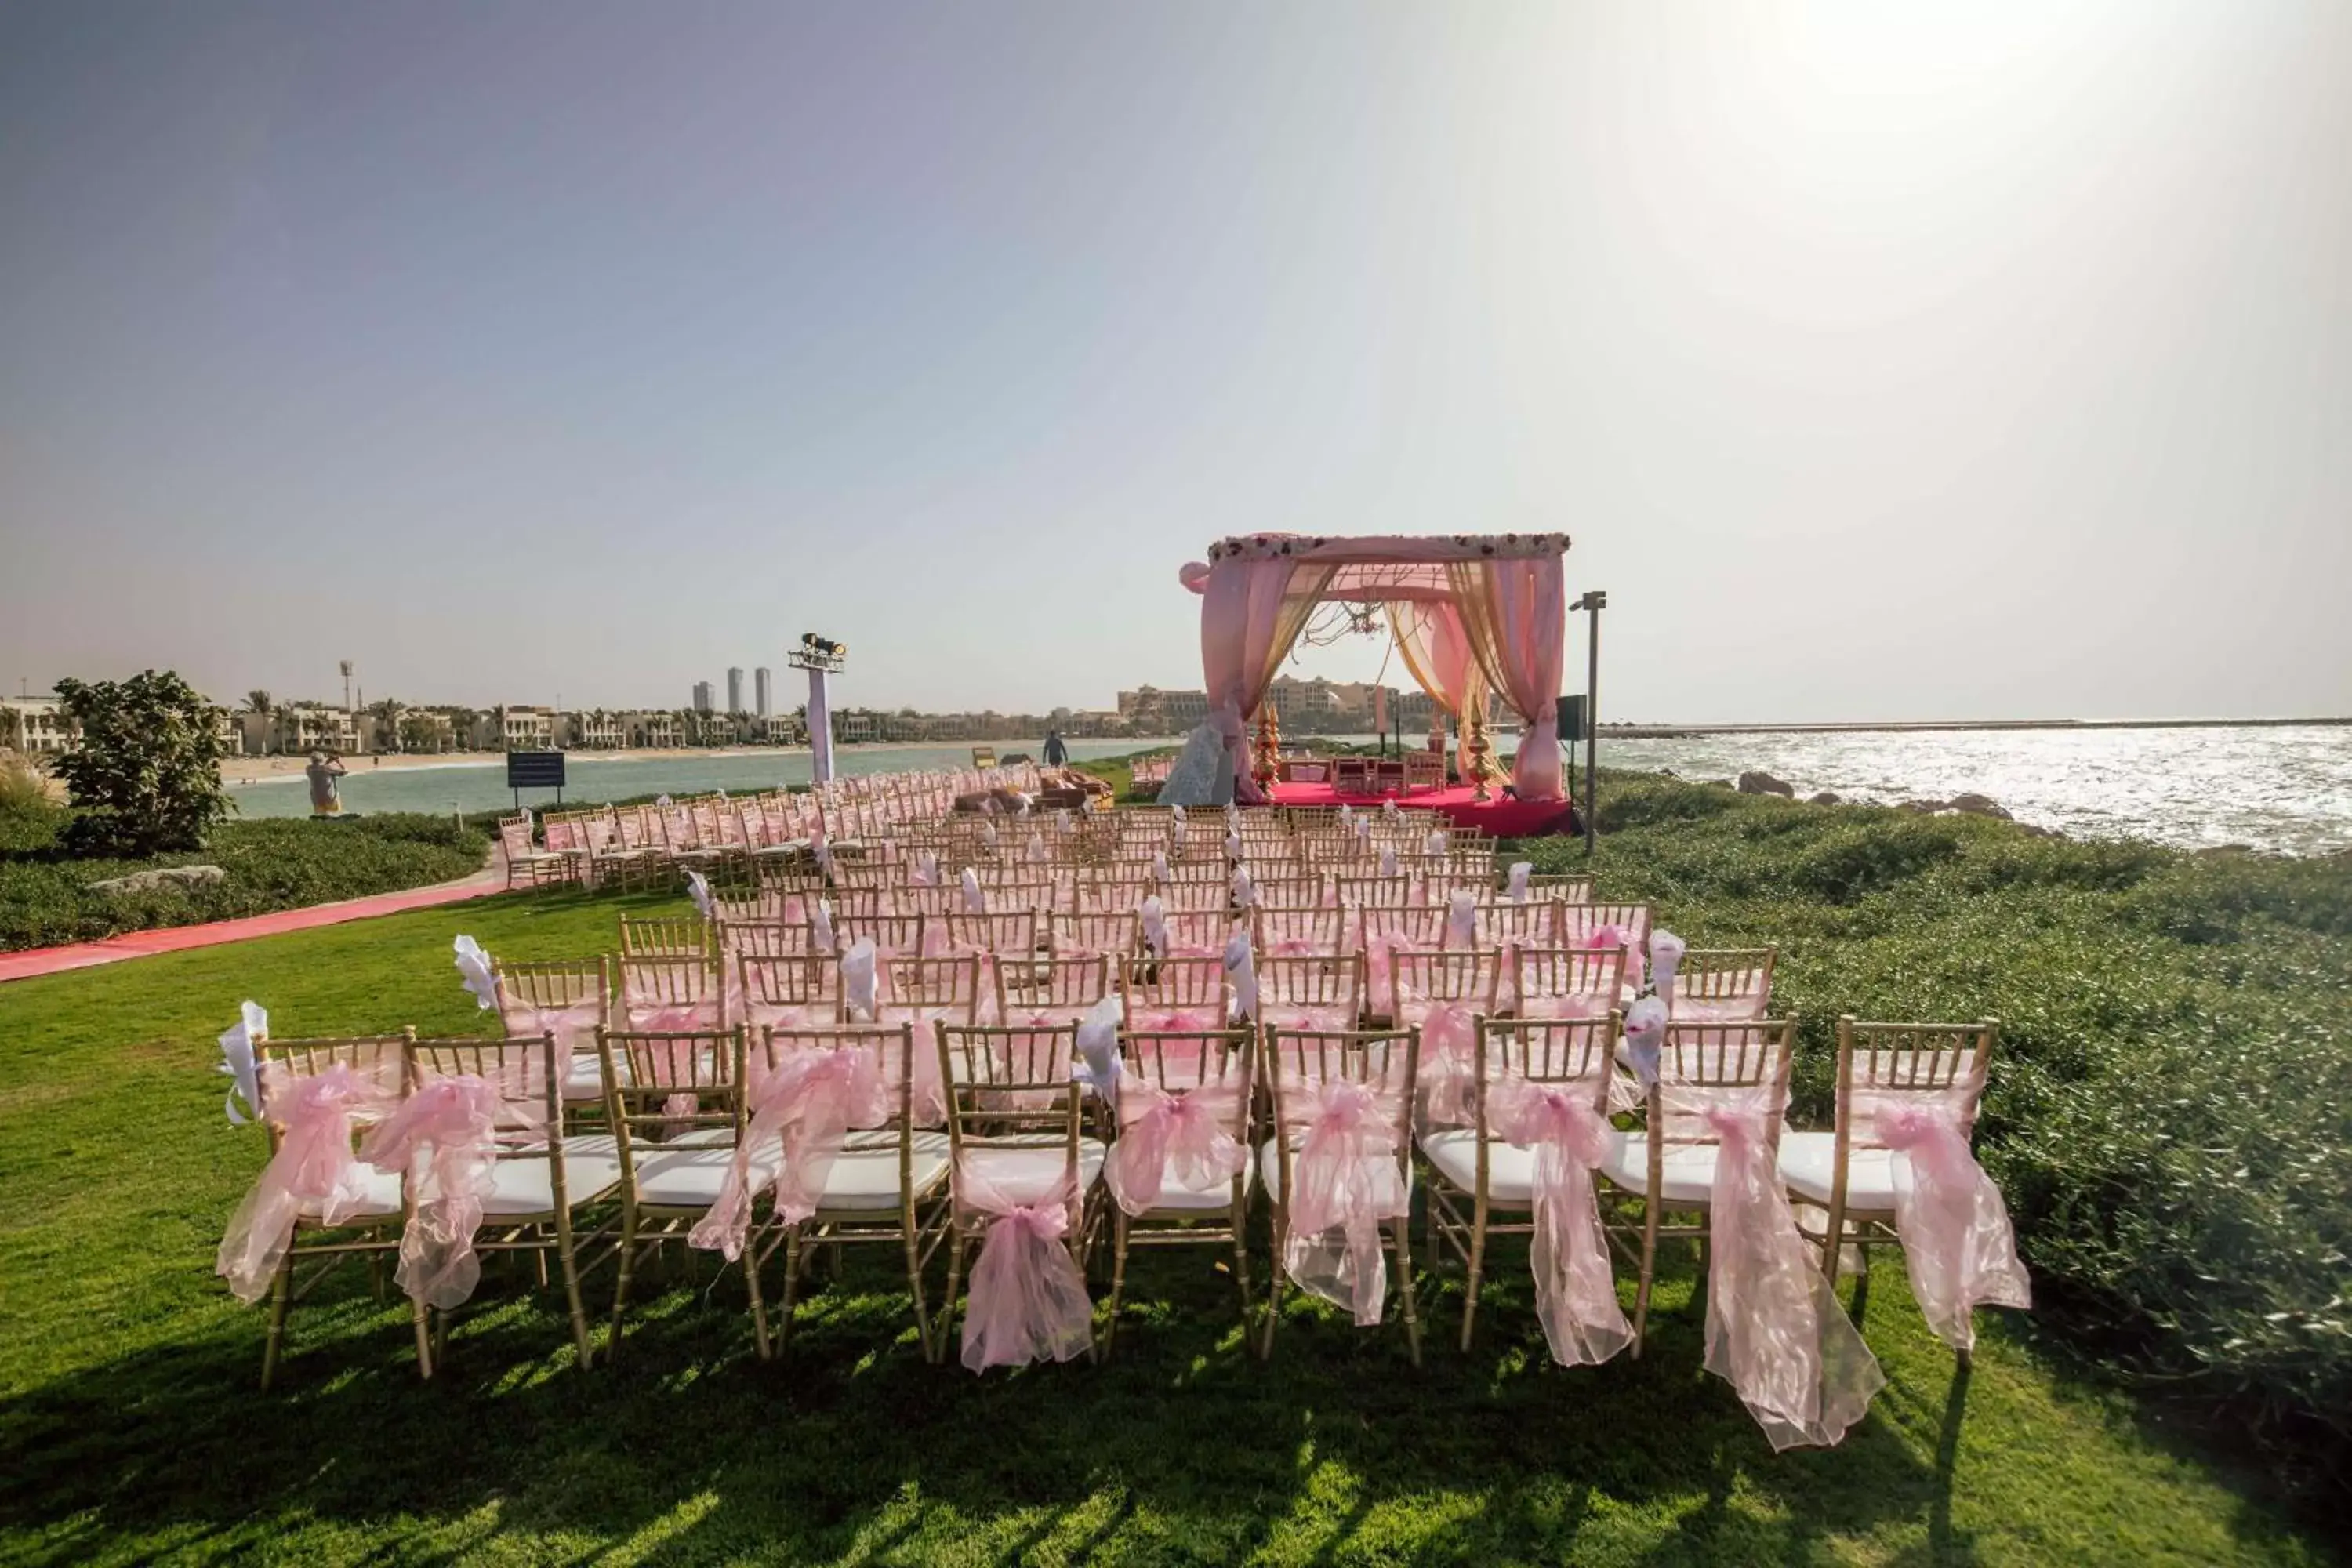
x: 1347, y: 1182
x: 1957, y: 1244
x: 1186, y: 1138
x: 1576, y: 1293
x: 1514, y: 610
x: 1206, y: 1018
x: 1028, y: 1298
x: 1325, y: 1020
x: 1448, y: 1037
x: 806, y: 1104
x: 314, y: 1169
x: 445, y: 1136
x: 673, y: 1061
x: 1249, y: 618
x: 1436, y: 650
x: 1774, y: 1328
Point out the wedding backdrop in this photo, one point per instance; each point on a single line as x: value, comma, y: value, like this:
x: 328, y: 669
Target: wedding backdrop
x: 1471, y: 614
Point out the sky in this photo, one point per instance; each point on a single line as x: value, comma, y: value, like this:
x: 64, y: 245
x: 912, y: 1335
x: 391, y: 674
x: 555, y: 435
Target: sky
x: 1884, y: 361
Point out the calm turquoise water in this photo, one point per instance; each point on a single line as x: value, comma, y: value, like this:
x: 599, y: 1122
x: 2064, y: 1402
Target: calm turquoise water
x: 2285, y: 789
x: 476, y: 785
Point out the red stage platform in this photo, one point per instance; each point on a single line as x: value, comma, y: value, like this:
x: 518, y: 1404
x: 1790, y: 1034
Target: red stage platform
x: 1499, y: 818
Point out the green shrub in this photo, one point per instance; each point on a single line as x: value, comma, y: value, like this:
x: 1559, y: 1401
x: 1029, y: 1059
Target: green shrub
x: 2170, y: 1111
x: 277, y: 864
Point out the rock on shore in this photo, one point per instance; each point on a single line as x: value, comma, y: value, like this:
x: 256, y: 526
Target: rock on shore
x: 1755, y: 781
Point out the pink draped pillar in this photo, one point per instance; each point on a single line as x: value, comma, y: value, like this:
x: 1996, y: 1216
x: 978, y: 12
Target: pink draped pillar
x: 1514, y: 611
x: 1249, y: 618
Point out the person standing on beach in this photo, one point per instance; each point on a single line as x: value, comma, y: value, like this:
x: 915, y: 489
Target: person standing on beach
x: 1057, y: 753
x: 324, y: 769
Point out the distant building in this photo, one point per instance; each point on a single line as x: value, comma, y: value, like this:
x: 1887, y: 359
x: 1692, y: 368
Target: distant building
x: 35, y: 725
x: 762, y: 692
x: 702, y: 696
x: 1152, y: 711
x: 657, y: 730
x: 315, y: 727
x: 735, y: 689
x: 596, y: 731
x: 525, y: 729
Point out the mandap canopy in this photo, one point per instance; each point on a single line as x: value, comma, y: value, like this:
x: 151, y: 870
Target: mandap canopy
x: 1473, y: 613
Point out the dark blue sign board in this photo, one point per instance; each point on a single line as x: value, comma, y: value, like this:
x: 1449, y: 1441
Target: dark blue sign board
x: 535, y: 770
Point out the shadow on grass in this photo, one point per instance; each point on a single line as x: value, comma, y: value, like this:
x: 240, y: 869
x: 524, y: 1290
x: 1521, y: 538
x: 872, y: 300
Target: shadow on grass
x: 1181, y: 1445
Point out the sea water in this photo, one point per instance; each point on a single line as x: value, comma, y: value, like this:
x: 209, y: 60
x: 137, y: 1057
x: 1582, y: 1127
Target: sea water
x: 2287, y: 789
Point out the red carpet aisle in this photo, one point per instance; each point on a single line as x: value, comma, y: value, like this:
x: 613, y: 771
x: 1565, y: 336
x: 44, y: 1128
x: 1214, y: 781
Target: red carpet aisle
x: 1499, y: 818
x: 174, y: 939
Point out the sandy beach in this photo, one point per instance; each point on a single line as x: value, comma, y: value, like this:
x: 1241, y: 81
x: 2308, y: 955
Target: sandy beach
x: 263, y: 770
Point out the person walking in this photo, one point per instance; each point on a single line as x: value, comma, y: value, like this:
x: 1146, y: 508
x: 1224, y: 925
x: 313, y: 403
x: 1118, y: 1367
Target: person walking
x: 1057, y: 754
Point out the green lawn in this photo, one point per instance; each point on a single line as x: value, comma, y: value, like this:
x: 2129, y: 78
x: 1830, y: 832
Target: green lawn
x: 130, y: 1429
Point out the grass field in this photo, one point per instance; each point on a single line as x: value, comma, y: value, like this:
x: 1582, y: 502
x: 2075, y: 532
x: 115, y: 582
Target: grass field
x: 130, y: 1429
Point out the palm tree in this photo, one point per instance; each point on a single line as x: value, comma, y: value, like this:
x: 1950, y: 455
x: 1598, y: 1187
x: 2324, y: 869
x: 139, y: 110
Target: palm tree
x: 386, y: 715
x: 257, y: 703
x: 281, y: 722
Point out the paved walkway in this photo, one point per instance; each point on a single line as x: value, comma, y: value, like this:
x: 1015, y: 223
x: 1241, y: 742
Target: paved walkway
x: 176, y: 939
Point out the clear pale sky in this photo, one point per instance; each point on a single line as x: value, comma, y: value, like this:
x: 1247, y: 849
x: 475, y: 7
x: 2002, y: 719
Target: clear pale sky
x: 1886, y: 360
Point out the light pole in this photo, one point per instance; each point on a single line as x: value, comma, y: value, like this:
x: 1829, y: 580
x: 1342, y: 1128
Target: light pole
x: 819, y: 656
x: 1594, y: 601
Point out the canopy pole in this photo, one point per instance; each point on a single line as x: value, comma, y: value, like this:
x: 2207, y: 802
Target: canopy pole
x: 1594, y: 601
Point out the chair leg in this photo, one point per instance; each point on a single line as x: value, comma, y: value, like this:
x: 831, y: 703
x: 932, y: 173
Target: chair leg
x: 1241, y: 1262
x: 570, y: 1267
x: 1405, y: 1287
x: 281, y: 1287
x: 1649, y: 1271
x: 792, y: 1261
x: 761, y: 1346
x: 1478, y: 1270
x: 1273, y: 1288
x: 912, y: 1235
x: 624, y: 1262
x: 1118, y: 1280
x: 946, y: 1320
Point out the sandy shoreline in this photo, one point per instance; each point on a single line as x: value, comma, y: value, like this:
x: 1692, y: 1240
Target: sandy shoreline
x: 270, y: 770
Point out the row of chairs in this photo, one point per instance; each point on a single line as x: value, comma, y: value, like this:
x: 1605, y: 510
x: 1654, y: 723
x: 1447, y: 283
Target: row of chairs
x: 679, y: 1110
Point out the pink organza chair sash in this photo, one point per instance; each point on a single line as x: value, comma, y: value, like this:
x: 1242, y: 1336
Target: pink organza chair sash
x: 1326, y: 1018
x: 1774, y: 1328
x: 1347, y: 1182
x: 806, y: 1105
x: 314, y: 1169
x: 1576, y: 1292
x: 445, y: 1137
x: 1028, y: 1299
x: 1186, y: 1137
x: 573, y: 1025
x: 1448, y: 1036
x: 1957, y: 1244
x: 1206, y: 1018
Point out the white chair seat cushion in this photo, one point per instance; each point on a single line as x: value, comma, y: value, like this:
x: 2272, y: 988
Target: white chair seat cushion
x: 683, y: 1175
x: 1269, y: 1168
x: 381, y: 1198
x: 864, y: 1175
x: 1025, y: 1174
x: 1808, y: 1164
x: 525, y: 1185
x: 1689, y: 1169
x: 1453, y: 1151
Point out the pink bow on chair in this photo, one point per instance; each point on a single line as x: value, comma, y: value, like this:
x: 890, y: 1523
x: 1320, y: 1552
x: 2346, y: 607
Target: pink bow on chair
x: 1774, y: 1329
x: 1186, y: 1136
x: 445, y: 1135
x: 808, y: 1103
x: 314, y: 1169
x: 1448, y: 1037
x: 1028, y: 1298
x: 674, y: 1061
x: 1957, y: 1244
x: 1576, y: 1293
x: 1347, y: 1182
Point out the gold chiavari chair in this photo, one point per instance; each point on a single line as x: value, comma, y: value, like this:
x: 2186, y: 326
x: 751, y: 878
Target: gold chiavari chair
x: 1669, y: 1168
x: 675, y: 1100
x: 1722, y: 983
x: 370, y: 1228
x: 886, y: 1184
x: 666, y: 936
x: 1471, y: 1168
x: 1842, y: 1183
x: 1298, y: 1068
x: 543, y: 1174
x: 1170, y: 1207
x: 1016, y: 1121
